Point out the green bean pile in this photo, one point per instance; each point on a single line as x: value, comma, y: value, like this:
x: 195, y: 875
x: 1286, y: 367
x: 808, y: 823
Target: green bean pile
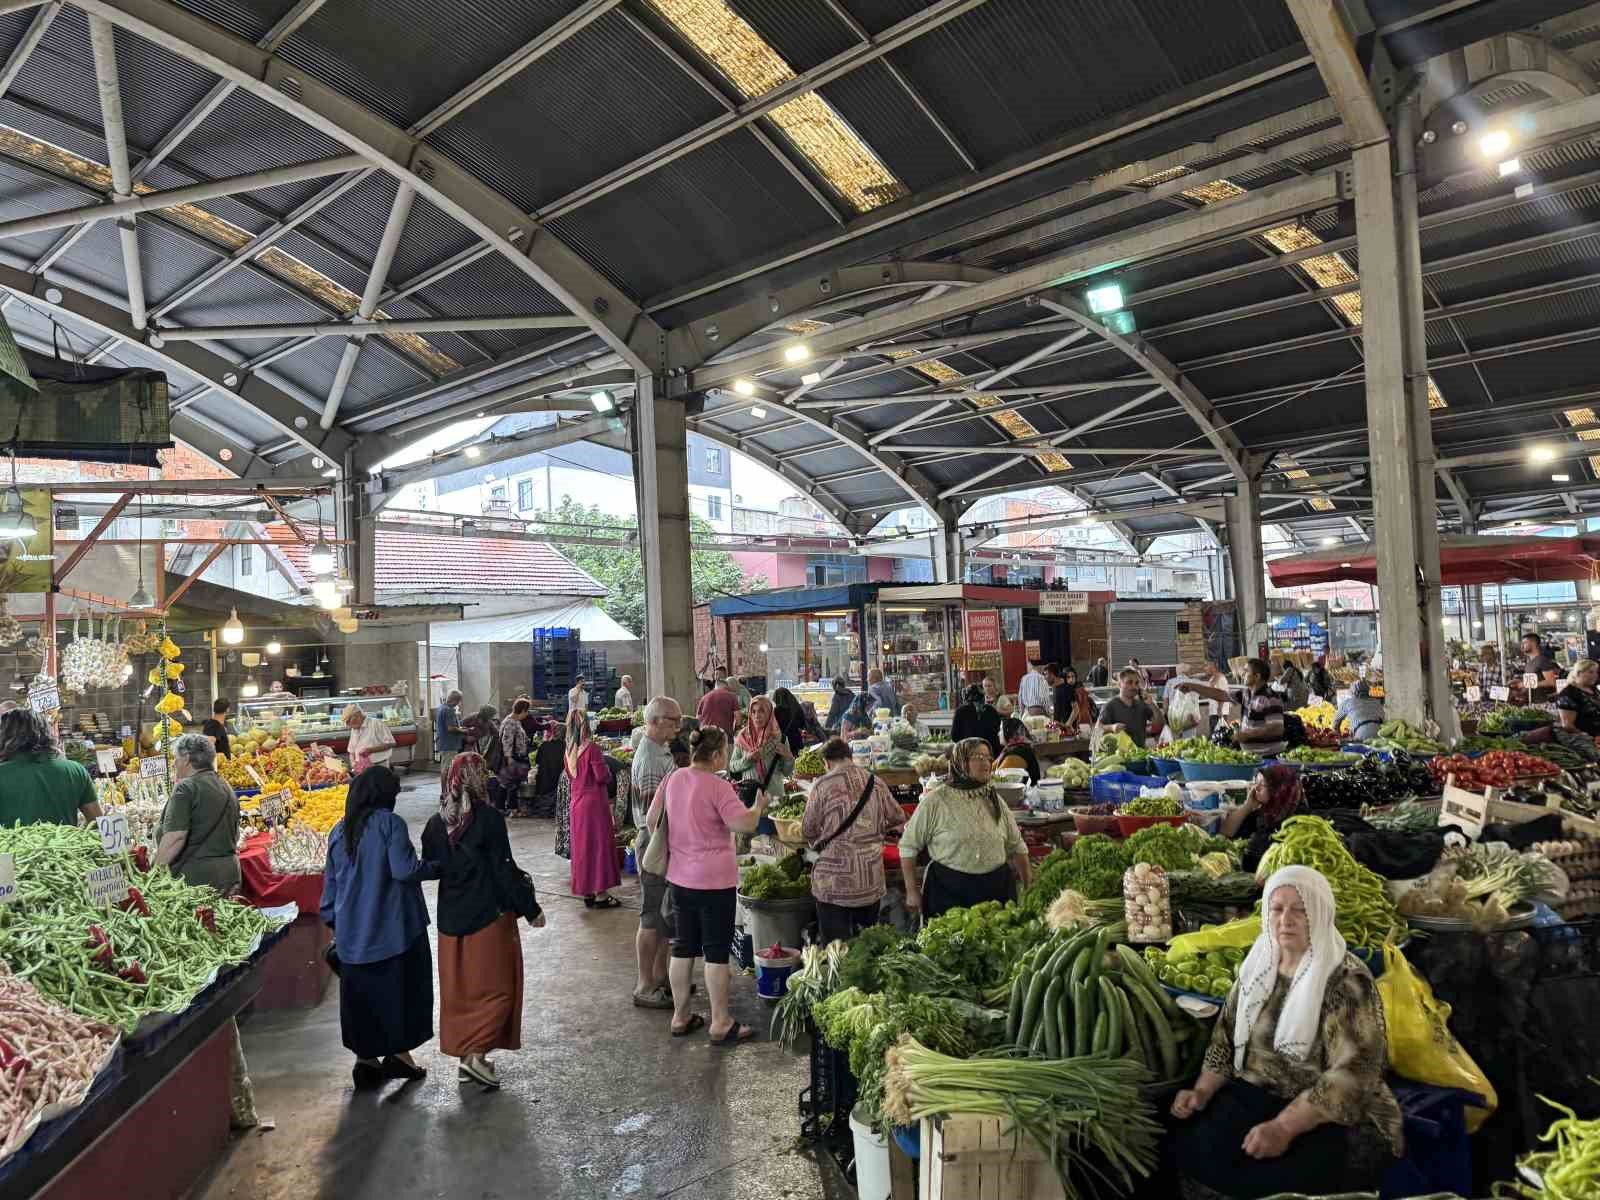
x: 1363, y: 912
x: 157, y: 963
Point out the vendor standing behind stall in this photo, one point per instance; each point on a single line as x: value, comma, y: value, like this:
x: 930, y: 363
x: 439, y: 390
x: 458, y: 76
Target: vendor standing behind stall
x: 1362, y: 710
x: 975, y: 849
x: 1129, y: 712
x: 199, y: 829
x: 1578, y: 708
x: 977, y: 719
x: 1261, y: 731
x: 1539, y: 663
x: 38, y: 784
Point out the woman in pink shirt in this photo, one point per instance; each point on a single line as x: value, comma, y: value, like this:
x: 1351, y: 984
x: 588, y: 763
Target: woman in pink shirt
x: 702, y: 813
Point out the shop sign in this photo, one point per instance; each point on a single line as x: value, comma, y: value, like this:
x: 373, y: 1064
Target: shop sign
x: 1501, y: 693
x: 151, y: 767
x: 8, y: 879
x: 980, y: 630
x: 114, y: 836
x: 1060, y: 604
x: 1474, y: 693
x: 105, y: 885
x: 1466, y: 809
x: 44, y: 698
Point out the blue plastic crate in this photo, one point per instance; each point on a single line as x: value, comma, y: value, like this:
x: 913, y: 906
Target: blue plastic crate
x: 1119, y: 787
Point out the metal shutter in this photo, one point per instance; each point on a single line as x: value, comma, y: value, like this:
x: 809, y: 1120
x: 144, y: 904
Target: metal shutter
x: 1148, y: 632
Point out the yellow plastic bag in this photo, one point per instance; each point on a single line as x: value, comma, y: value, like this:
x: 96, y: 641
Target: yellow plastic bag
x: 1240, y: 934
x: 1421, y: 1046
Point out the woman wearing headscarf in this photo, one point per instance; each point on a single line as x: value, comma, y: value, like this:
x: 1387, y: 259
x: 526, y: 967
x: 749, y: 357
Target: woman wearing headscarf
x: 372, y: 901
x: 514, y: 764
x: 1275, y: 795
x: 760, y: 753
x: 975, y: 849
x: 811, y: 728
x: 481, y: 895
x: 594, y: 837
x: 1017, y: 750
x: 791, y: 719
x: 843, y: 697
x: 1079, y: 706
x: 976, y: 719
x: 857, y: 720
x: 1291, y: 1097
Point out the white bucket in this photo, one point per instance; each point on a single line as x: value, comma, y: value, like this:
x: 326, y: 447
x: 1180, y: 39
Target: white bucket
x: 872, y: 1161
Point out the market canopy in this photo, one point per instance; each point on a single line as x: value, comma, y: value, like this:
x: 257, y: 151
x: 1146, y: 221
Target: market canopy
x: 1485, y: 558
x: 591, y: 621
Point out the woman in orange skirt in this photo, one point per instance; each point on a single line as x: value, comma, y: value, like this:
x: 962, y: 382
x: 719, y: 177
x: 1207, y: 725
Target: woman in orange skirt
x: 482, y: 892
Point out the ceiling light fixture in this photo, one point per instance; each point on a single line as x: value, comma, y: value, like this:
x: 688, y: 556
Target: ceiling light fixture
x: 797, y: 352
x: 602, y: 401
x: 744, y: 387
x: 233, y: 628
x: 1494, y: 144
x: 274, y: 647
x: 249, y: 688
x: 322, y: 557
x: 473, y: 452
x: 811, y: 378
x: 1330, y: 541
x: 1106, y: 298
x: 757, y: 412
x: 14, y: 519
x: 1550, y: 614
x: 1559, y: 478
x: 1510, y: 167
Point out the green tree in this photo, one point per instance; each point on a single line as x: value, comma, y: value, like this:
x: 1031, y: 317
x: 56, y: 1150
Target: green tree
x: 621, y: 569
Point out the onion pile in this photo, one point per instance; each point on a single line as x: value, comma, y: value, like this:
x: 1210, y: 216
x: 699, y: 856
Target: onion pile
x: 1147, y: 900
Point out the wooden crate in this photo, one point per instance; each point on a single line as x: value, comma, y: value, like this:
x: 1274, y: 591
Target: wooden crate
x: 978, y: 1158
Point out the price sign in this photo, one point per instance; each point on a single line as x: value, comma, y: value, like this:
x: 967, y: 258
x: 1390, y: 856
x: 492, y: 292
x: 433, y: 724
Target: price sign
x: 1501, y: 693
x: 1530, y: 680
x: 114, y: 836
x: 1341, y: 695
x: 1474, y: 693
x: 8, y: 879
x: 275, y: 808
x: 151, y: 767
x: 105, y: 885
x: 1467, y: 809
x: 45, y: 698
x: 106, y: 760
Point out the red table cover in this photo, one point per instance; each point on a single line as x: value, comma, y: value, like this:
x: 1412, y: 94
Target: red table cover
x: 266, y: 889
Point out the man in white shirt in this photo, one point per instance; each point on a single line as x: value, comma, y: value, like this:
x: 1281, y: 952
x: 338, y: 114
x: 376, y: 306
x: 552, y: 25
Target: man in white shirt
x: 578, y: 697
x: 624, y: 696
x: 1033, y: 693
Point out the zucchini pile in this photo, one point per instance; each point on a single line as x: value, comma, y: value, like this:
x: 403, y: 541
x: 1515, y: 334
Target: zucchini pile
x: 1065, y: 1004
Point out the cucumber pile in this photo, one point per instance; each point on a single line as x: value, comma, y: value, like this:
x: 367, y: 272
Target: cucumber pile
x: 1066, y: 1004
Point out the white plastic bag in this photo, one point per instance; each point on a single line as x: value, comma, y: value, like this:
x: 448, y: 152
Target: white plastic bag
x: 1183, y: 712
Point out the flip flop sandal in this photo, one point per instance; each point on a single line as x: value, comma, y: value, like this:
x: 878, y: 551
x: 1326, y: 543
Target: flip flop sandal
x: 607, y: 901
x: 696, y: 1021
x: 736, y: 1033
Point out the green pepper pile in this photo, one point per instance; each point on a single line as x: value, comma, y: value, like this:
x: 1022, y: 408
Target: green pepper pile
x: 152, y: 952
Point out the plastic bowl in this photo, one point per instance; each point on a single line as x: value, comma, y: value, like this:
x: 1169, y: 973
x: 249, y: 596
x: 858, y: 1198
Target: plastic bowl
x: 1128, y: 826
x: 1213, y: 771
x: 1087, y: 822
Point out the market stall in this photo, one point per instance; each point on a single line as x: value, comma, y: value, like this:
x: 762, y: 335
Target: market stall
x: 798, y: 638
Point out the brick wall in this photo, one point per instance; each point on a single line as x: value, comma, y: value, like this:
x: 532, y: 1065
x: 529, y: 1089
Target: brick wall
x: 1192, y: 634
x: 1086, y: 635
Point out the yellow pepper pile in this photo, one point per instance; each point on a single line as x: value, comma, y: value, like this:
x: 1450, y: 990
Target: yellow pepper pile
x: 321, y: 809
x: 1317, y: 716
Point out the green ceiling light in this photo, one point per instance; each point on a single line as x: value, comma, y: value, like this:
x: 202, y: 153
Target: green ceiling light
x: 1105, y: 298
x: 1121, y: 322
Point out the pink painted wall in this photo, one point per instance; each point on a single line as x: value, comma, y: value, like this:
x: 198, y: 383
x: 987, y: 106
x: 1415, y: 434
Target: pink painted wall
x: 880, y: 569
x: 780, y: 570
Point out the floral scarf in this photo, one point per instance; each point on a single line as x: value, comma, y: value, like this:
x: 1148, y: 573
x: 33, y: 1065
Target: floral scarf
x: 464, y: 790
x: 760, y: 727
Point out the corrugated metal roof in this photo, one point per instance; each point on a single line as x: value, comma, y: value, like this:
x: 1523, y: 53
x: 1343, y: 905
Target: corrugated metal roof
x: 888, y: 119
x: 804, y: 32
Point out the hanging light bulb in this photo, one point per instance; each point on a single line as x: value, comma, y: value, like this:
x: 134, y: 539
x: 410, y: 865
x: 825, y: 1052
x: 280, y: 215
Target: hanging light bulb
x: 322, y: 557
x: 250, y: 687
x: 326, y: 591
x: 346, y: 585
x: 140, y: 598
x: 233, y: 629
x: 14, y: 519
x: 274, y: 647
x: 324, y: 660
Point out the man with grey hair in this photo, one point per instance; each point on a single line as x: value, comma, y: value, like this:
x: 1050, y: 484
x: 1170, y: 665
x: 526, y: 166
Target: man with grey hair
x: 624, y: 694
x: 38, y: 785
x: 447, y: 734
x: 653, y: 762
x: 199, y: 831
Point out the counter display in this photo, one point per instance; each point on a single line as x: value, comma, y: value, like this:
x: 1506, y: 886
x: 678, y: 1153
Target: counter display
x: 320, y: 719
x: 911, y: 651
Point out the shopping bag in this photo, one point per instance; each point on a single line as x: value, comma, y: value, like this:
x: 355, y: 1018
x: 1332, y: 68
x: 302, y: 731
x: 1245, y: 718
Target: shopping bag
x: 1421, y: 1046
x: 1183, y: 713
x: 1240, y: 934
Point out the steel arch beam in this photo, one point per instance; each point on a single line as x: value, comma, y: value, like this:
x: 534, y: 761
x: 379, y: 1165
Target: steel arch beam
x: 503, y: 225
x: 191, y: 358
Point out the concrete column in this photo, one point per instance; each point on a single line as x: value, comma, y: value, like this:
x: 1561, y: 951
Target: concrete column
x: 353, y: 520
x: 949, y: 560
x: 1247, y: 567
x: 661, y: 477
x: 1400, y: 430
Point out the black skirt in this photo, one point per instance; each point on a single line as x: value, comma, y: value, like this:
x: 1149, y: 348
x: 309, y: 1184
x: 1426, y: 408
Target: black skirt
x: 944, y: 888
x: 386, y: 1007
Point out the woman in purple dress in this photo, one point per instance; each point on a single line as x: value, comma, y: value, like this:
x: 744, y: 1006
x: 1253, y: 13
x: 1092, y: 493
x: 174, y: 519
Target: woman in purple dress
x: 594, y: 846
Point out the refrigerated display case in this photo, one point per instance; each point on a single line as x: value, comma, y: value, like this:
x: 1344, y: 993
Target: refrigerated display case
x: 320, y: 719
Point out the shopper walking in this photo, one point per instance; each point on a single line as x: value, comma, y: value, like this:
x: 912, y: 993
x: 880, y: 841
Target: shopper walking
x: 514, y: 756
x: 843, y: 697
x: 882, y: 692
x: 653, y: 761
x: 548, y: 783
x: 1099, y: 674
x: 482, y: 892
x: 702, y: 811
x: 719, y: 707
x: 448, y: 733
x: 848, y: 813
x: 594, y: 838
x: 791, y: 718
x: 198, y: 835
x: 371, y: 743
x: 38, y: 784
x: 578, y: 696
x: 976, y: 719
x: 372, y: 901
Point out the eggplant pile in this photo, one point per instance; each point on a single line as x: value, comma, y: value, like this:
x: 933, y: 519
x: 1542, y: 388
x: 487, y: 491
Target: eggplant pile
x: 1372, y: 781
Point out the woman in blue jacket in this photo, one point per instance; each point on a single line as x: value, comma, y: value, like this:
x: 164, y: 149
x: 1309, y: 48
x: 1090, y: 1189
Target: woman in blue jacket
x: 372, y: 900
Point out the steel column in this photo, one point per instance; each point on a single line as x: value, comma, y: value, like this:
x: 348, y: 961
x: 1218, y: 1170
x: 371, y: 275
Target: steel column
x: 1247, y: 566
x: 102, y: 41
x: 661, y: 474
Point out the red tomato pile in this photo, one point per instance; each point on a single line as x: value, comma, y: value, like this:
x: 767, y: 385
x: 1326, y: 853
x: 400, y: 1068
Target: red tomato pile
x: 1498, y: 768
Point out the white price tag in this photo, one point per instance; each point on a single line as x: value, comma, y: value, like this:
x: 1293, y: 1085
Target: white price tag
x: 1530, y: 680
x: 1474, y: 693
x: 114, y: 836
x: 45, y: 699
x: 149, y: 767
x: 8, y: 879
x: 1501, y: 693
x: 105, y: 885
x: 1467, y: 809
x: 1341, y: 695
x: 275, y: 808
x: 106, y: 760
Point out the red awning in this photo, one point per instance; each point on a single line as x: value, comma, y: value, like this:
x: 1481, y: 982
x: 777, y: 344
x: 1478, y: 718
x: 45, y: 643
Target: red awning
x: 1462, y: 560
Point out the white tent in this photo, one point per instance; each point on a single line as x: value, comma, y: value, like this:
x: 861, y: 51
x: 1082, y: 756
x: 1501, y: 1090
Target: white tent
x: 587, y: 617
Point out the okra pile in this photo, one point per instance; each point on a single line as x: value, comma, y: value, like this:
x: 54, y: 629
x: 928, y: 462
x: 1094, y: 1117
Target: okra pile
x: 153, y: 951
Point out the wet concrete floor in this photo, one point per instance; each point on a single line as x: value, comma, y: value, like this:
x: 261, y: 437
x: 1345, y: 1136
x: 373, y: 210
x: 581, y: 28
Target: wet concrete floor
x: 600, y: 1101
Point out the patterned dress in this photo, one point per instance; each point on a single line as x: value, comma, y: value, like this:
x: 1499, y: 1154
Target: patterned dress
x: 850, y: 871
x: 1343, y: 1077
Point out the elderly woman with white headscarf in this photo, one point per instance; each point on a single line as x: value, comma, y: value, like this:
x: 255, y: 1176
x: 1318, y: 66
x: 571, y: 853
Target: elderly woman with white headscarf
x: 1291, y: 1097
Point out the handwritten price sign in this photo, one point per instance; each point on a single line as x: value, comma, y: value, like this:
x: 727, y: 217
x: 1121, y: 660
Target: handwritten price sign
x: 114, y: 836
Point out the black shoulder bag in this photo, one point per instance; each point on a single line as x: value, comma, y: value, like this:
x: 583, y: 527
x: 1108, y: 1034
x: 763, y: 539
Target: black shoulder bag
x: 749, y: 789
x: 813, y: 854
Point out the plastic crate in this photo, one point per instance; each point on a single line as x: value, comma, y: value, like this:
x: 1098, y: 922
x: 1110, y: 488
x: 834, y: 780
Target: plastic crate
x: 826, y: 1101
x: 1118, y: 787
